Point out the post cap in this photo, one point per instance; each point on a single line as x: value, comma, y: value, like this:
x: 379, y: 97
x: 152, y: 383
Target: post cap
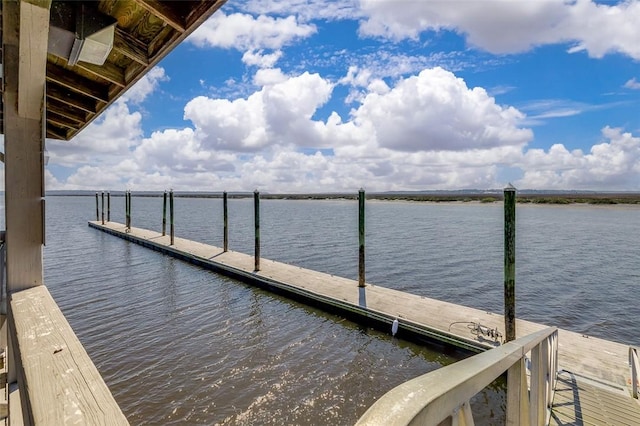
x: 510, y: 187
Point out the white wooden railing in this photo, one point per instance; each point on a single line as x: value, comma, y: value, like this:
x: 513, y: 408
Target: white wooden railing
x: 443, y: 396
x: 634, y: 362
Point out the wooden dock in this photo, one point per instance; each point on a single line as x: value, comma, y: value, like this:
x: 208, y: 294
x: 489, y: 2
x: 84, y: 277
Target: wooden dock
x: 592, y: 369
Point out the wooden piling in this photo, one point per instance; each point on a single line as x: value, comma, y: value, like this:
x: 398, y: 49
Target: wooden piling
x: 256, y: 219
x: 126, y: 209
x: 108, y: 206
x: 225, y: 214
x: 129, y: 197
x: 510, y: 263
x: 103, y: 207
x: 361, y: 270
x: 164, y: 214
x: 171, y: 227
x: 97, y: 208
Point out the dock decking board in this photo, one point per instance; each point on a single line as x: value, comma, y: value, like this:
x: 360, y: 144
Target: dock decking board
x: 597, y: 359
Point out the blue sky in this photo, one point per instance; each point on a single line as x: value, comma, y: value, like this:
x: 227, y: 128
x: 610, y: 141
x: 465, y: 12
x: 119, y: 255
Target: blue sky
x: 315, y: 96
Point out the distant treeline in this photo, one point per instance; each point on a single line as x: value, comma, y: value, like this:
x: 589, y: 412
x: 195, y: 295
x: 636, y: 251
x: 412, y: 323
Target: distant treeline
x: 532, y: 197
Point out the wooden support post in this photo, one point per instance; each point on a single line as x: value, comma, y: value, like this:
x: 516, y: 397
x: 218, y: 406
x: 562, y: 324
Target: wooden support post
x: 25, y: 29
x: 103, y: 207
x: 164, y: 213
x: 126, y: 209
x: 510, y: 263
x: 361, y: 269
x: 108, y: 206
x: 129, y: 209
x: 225, y: 214
x: 517, y: 394
x: 256, y: 220
x: 171, y: 230
x: 97, y: 208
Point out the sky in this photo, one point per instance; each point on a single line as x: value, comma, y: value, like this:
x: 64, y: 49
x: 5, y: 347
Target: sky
x: 293, y: 96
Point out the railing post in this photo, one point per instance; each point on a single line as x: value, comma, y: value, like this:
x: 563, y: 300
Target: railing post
x: 536, y: 395
x: 97, y: 208
x: 510, y: 263
x: 361, y: 269
x: 517, y: 395
x: 108, y: 206
x: 164, y: 214
x: 635, y: 369
x: 103, y: 207
x: 225, y: 214
x: 256, y: 220
x: 171, y: 230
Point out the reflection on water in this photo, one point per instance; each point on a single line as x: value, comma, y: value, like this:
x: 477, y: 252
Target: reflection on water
x: 180, y: 345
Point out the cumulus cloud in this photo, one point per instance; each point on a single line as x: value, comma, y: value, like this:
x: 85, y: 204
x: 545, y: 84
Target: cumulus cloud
x: 145, y: 86
x: 279, y: 113
x: 437, y: 111
x: 306, y: 9
x: 511, y: 26
x: 245, y: 32
x: 106, y: 139
x: 614, y: 163
x: 427, y: 131
x: 632, y: 84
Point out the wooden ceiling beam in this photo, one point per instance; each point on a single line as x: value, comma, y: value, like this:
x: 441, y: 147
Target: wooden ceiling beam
x: 71, y: 98
x: 66, y: 111
x: 165, y: 11
x: 108, y: 72
x: 77, y: 83
x: 130, y: 47
x: 61, y: 121
x: 54, y: 132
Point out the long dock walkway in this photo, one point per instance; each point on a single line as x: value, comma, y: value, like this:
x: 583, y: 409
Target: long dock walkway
x: 591, y: 368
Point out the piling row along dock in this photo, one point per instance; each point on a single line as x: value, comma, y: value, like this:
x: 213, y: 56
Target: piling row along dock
x: 593, y: 371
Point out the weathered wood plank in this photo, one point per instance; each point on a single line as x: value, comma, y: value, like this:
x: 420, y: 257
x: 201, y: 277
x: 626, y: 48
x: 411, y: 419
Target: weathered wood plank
x: 77, y: 84
x: 166, y: 11
x: 60, y: 383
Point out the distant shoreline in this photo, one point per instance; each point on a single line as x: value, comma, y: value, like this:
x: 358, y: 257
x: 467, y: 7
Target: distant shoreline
x: 525, y: 197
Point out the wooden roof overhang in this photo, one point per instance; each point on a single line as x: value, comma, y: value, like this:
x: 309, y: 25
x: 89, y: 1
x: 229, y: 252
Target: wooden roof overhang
x: 145, y: 32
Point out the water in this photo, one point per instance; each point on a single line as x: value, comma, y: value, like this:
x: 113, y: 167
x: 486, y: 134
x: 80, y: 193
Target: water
x: 180, y: 345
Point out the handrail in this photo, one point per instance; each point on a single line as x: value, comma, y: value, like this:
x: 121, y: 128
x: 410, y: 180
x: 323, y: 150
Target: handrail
x: 634, y: 362
x: 436, y: 396
x: 58, y: 382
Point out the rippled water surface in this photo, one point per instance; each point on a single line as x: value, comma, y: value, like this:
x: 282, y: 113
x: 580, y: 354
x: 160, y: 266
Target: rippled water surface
x: 180, y: 345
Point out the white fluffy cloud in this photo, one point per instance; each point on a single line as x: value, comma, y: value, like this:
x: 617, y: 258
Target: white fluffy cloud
x: 245, y: 32
x: 632, y: 84
x: 279, y: 113
x: 614, y: 163
x: 510, y: 26
x: 437, y: 111
x: 107, y: 139
x: 427, y: 131
x: 145, y: 86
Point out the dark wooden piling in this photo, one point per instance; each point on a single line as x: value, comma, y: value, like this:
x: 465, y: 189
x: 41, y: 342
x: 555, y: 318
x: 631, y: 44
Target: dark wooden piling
x: 97, y: 208
x: 108, y: 206
x: 361, y: 270
x: 225, y: 214
x: 129, y: 204
x: 164, y: 214
x: 103, y: 207
x: 256, y: 220
x: 171, y: 226
x: 510, y: 262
